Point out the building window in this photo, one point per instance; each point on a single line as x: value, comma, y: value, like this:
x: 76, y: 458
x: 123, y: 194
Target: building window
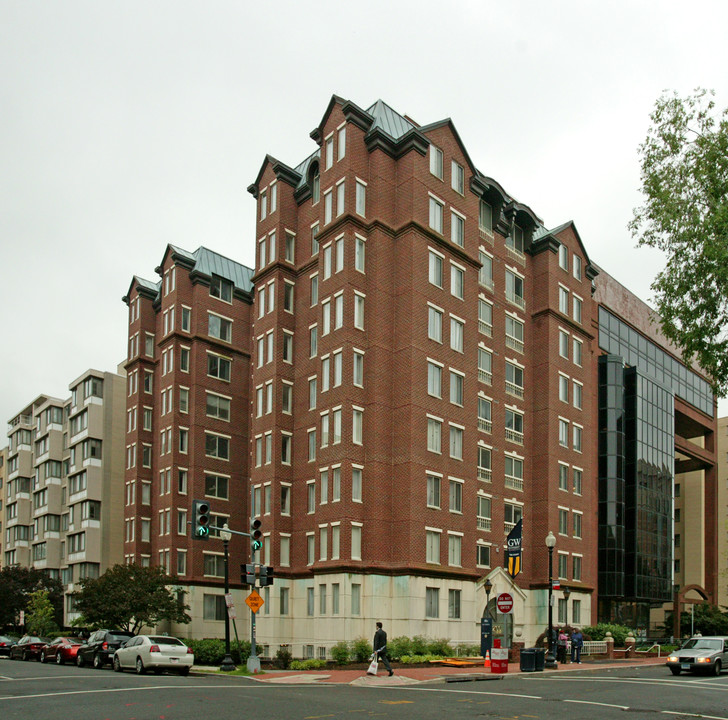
x: 361, y: 198
x: 434, y: 379
x: 577, y: 481
x: 563, y: 388
x: 456, y: 496
x: 457, y: 391
x: 577, y: 437
x: 456, y: 442
x: 514, y: 379
x: 436, y: 269
x: 287, y: 346
x: 328, y: 206
x: 358, y: 311
x: 577, y: 524
x: 515, y: 289
x: 341, y: 143
x: 563, y: 521
x: 357, y: 435
x: 578, y: 394
x: 218, y: 367
x: 458, y: 178
x: 457, y: 282
x: 217, y: 446
x: 433, y: 491
x: 288, y: 289
x: 515, y: 239
x: 436, y: 162
x: 434, y: 323
x: 577, y: 309
x: 484, y: 464
x: 485, y: 366
x: 283, y: 604
x: 436, y: 214
x: 563, y: 432
x: 221, y: 289
x: 455, y: 544
x: 563, y: 477
x: 564, y: 344
x: 563, y: 300
x: 432, y: 602
x: 485, y: 274
x: 513, y: 472
x: 563, y: 257
x: 563, y: 565
x: 340, y: 197
x: 218, y: 407
x: 216, y: 486
x: 339, y: 311
x: 485, y: 317
x: 356, y: 484
x: 577, y: 267
x: 356, y: 542
x: 482, y: 555
x: 512, y: 514
x: 358, y: 368
x: 214, y: 607
x: 329, y: 151
x: 457, y: 229
x: 434, y: 432
x: 219, y: 327
x: 485, y: 218
x: 577, y: 348
x: 360, y: 247
x: 433, y: 546
x: 457, y: 334
x: 514, y: 426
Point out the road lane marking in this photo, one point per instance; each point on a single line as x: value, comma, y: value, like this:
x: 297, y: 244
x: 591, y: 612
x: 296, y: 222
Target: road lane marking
x: 396, y: 702
x: 50, y: 677
x: 697, y: 715
x: 591, y: 702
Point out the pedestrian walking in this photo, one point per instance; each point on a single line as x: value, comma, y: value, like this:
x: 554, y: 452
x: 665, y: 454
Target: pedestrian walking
x: 577, y: 640
x: 380, y: 647
x: 561, y: 646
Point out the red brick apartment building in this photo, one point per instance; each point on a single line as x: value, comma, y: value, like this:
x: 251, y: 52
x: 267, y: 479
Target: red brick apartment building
x: 413, y: 368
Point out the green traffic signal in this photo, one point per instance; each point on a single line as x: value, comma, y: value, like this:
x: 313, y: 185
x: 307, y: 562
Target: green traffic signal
x: 200, y: 519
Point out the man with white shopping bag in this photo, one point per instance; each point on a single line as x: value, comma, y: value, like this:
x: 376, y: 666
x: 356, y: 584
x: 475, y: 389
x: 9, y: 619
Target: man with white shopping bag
x: 380, y: 652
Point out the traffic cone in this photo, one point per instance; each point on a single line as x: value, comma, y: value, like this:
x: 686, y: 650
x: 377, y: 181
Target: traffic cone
x: 487, y: 659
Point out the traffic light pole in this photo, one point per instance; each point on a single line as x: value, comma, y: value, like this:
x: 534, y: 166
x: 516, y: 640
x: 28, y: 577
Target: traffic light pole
x: 253, y: 660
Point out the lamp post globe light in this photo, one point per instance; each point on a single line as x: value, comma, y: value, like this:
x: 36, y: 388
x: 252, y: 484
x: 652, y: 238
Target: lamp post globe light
x: 227, y: 662
x: 550, y: 659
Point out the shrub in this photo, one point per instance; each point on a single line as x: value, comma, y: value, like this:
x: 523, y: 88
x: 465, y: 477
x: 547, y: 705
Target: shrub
x: 340, y: 653
x: 240, y: 651
x: 399, y: 646
x: 209, y: 651
x: 468, y: 650
x: 440, y: 647
x: 418, y: 659
x: 311, y: 664
x: 599, y: 632
x: 361, y: 649
x: 283, y: 658
x: 419, y: 645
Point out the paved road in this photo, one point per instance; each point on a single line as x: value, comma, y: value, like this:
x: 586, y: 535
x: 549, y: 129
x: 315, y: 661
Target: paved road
x: 30, y: 690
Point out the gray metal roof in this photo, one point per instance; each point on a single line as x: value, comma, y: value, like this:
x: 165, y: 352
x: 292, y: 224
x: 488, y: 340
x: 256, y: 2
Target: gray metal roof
x: 149, y: 284
x: 389, y: 120
x: 302, y: 169
x: 207, y: 262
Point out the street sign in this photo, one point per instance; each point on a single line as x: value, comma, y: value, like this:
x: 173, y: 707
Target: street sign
x: 229, y: 600
x: 22, y: 618
x: 231, y: 612
x: 254, y: 601
x: 504, y: 603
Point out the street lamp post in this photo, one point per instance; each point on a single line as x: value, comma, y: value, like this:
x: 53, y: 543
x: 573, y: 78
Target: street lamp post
x: 550, y: 543
x: 227, y: 661
x: 488, y: 585
x: 566, y: 592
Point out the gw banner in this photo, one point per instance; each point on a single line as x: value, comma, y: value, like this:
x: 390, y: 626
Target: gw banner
x: 513, y: 549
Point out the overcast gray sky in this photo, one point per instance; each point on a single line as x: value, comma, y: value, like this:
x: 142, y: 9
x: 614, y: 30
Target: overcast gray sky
x: 125, y: 126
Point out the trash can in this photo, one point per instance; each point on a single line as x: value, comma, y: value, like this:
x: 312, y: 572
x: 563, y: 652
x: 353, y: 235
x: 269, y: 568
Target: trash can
x: 540, y: 659
x: 528, y: 660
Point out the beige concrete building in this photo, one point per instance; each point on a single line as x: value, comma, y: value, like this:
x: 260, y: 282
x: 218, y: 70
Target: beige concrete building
x: 3, y: 479
x: 64, y: 495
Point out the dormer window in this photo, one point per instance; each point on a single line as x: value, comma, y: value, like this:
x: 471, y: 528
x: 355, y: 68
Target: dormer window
x: 314, y: 181
x: 485, y: 217
x: 515, y: 239
x: 221, y: 288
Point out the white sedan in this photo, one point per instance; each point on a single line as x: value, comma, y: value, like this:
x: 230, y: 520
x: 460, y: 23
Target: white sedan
x: 154, y: 652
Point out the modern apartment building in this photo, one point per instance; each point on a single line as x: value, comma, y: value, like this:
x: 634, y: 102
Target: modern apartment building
x: 188, y: 417
x: 3, y: 479
x: 415, y: 364
x: 722, y: 453
x: 64, y: 491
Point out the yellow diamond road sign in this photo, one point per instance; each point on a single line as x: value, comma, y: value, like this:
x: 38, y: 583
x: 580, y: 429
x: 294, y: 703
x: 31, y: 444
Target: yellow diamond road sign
x: 254, y: 601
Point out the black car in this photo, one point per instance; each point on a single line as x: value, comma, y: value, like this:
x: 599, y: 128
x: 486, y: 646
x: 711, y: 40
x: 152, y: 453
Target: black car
x: 28, y: 648
x: 6, y: 642
x: 99, y: 649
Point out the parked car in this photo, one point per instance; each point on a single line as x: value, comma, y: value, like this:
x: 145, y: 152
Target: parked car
x: 99, y: 649
x: 6, y: 642
x: 707, y: 654
x: 62, y: 649
x: 28, y: 647
x: 154, y: 652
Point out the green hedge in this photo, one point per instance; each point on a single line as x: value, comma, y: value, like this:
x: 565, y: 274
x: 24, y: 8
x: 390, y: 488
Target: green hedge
x: 211, y: 651
x: 599, y: 632
x: 308, y: 664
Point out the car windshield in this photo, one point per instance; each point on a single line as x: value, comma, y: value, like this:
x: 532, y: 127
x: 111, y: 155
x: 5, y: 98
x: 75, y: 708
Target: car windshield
x: 163, y: 640
x: 34, y: 640
x: 119, y: 636
x: 703, y: 644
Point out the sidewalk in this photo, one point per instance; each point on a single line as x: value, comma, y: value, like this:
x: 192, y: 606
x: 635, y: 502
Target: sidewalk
x: 409, y: 676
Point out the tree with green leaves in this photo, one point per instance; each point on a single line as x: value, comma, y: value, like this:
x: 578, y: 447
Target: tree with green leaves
x: 129, y: 597
x: 39, y: 616
x: 684, y: 164
x: 16, y: 585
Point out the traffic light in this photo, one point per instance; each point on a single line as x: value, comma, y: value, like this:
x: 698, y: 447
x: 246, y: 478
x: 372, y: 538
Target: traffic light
x: 247, y: 574
x: 200, y: 519
x: 256, y: 535
x: 266, y: 575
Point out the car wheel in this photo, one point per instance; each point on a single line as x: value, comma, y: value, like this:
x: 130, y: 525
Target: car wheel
x: 140, y: 667
x: 59, y: 658
x: 79, y: 660
x: 184, y: 672
x: 117, y: 664
x: 675, y: 671
x: 98, y: 662
x: 716, y: 668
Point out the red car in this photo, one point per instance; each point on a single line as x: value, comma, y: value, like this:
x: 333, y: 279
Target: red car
x: 62, y: 649
x: 28, y: 647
